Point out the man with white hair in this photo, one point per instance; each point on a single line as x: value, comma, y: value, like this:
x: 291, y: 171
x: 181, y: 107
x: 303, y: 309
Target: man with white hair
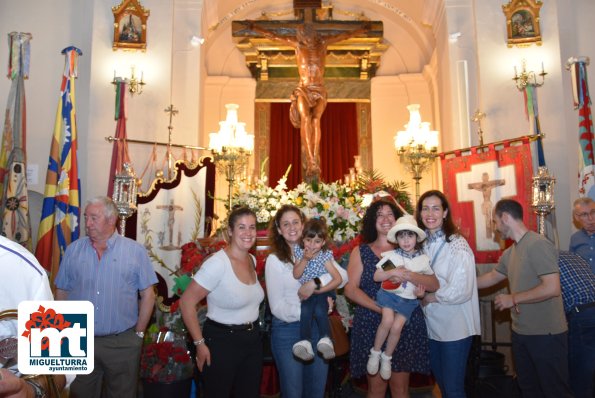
x: 582, y: 242
x: 112, y: 272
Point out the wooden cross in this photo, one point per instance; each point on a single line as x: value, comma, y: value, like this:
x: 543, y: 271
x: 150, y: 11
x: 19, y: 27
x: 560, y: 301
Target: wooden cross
x: 310, y: 39
x: 306, y: 12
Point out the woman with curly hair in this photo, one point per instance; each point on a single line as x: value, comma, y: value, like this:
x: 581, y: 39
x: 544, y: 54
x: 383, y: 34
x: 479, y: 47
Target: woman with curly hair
x: 411, y: 354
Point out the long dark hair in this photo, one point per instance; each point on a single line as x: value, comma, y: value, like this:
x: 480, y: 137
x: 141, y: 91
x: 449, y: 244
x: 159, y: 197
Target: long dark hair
x: 448, y: 225
x: 369, y: 232
x: 279, y: 245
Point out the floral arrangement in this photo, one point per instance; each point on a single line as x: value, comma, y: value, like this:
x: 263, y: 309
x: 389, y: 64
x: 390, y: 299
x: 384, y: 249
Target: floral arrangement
x: 262, y: 199
x: 165, y: 357
x: 339, y: 204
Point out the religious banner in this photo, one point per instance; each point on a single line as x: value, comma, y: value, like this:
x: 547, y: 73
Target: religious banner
x: 120, y: 149
x: 475, y: 180
x: 14, y: 205
x: 60, y: 213
x: 171, y: 214
x: 586, y: 134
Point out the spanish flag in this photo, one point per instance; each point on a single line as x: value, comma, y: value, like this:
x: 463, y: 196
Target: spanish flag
x: 60, y: 214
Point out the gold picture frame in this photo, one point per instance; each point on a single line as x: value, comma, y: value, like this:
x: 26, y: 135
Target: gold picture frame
x: 522, y: 22
x: 130, y: 26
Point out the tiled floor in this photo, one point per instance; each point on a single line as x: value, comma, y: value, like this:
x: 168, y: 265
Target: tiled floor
x: 351, y: 392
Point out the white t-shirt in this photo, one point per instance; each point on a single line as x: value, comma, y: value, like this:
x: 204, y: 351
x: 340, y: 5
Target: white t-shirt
x: 21, y: 278
x: 230, y: 301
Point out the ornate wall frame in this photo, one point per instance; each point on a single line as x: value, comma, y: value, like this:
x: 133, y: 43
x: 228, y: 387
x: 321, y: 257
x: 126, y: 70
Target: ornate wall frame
x: 522, y: 22
x: 130, y: 26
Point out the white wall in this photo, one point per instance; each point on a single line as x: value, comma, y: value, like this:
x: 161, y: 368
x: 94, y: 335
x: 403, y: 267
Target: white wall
x: 88, y: 25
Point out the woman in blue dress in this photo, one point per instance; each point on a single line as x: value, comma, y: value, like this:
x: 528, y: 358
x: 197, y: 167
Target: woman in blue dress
x: 412, y: 354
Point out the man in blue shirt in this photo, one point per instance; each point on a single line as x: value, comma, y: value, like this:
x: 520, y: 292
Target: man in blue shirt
x: 582, y: 242
x: 578, y: 294
x: 116, y: 275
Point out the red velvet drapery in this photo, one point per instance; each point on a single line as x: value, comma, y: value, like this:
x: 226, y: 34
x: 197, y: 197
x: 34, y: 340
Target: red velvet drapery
x: 338, y: 144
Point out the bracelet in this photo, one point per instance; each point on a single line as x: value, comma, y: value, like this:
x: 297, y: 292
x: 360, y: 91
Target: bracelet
x: 515, y: 304
x: 38, y: 390
x: 199, y: 342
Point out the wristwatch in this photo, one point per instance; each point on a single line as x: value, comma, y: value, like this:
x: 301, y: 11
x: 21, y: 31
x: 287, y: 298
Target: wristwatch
x: 318, y: 283
x: 38, y: 390
x: 140, y: 334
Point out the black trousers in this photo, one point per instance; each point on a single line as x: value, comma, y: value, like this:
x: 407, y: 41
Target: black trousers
x: 236, y: 362
x: 541, y: 363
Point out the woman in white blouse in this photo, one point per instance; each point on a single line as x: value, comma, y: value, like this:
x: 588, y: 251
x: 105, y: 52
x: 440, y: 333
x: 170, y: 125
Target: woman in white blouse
x: 298, y: 379
x: 229, y: 348
x: 452, y: 312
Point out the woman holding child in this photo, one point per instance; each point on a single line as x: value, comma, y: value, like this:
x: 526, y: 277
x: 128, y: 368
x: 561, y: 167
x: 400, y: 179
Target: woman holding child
x: 411, y: 354
x: 452, y: 312
x: 299, y: 379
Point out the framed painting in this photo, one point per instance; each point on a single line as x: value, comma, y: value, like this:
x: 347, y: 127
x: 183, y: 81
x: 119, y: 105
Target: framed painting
x: 522, y: 22
x: 130, y: 26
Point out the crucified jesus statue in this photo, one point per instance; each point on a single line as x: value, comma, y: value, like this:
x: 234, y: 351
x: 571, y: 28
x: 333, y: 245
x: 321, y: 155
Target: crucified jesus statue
x: 309, y: 99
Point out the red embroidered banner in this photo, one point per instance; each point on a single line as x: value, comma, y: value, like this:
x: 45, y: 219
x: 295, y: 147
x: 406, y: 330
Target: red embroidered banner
x: 476, y: 180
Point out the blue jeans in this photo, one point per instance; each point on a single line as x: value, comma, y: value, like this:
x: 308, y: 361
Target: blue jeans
x: 315, y: 311
x: 298, y: 379
x: 581, y: 352
x: 448, y: 360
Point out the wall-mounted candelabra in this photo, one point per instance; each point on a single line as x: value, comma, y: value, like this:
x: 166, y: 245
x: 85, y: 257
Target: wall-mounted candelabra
x: 231, y: 147
x: 124, y: 195
x: 526, y: 78
x: 135, y: 85
x: 542, y: 200
x: 417, y: 145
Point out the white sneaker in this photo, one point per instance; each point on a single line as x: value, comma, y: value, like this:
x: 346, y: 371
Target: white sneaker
x: 303, y: 350
x: 373, y: 361
x: 326, y: 348
x: 385, y: 366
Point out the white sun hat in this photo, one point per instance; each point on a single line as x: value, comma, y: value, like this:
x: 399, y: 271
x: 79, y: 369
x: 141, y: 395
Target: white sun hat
x: 405, y: 223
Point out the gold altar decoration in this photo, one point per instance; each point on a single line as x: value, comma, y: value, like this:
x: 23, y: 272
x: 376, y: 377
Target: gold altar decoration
x: 124, y: 195
x: 542, y: 198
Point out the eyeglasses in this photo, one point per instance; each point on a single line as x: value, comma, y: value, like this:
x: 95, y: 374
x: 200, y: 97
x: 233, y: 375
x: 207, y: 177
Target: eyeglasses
x: 586, y: 214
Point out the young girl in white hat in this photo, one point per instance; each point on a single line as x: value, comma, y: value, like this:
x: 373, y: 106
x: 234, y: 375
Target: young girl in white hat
x: 397, y: 299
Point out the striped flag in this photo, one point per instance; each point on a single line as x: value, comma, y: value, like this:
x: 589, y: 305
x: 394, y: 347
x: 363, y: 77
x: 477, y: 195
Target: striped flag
x: 60, y: 213
x: 532, y: 113
x: 586, y: 137
x: 120, y: 149
x: 14, y: 203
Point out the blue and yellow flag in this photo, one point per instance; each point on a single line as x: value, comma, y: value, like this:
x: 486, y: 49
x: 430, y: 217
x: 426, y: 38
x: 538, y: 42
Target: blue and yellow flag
x: 60, y: 214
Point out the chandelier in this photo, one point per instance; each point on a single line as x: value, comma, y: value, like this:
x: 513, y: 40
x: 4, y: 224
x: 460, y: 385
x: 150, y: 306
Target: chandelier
x: 417, y: 145
x: 231, y: 147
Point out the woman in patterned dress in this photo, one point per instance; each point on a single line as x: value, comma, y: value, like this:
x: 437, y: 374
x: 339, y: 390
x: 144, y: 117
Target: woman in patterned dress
x: 412, y: 353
